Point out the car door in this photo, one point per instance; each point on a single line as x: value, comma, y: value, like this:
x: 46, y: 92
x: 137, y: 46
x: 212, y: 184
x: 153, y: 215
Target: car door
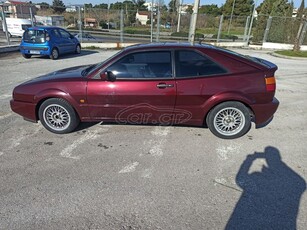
x: 144, y: 90
x: 67, y: 42
x: 196, y: 80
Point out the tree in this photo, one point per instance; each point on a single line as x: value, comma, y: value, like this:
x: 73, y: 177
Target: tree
x: 172, y: 6
x: 58, y: 6
x: 139, y: 5
x: 102, y: 6
x: 279, y: 30
x: 241, y: 7
x: 212, y: 9
x: 44, y: 5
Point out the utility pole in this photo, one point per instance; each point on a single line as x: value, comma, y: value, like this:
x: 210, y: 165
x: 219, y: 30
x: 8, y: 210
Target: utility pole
x: 193, y: 21
x: 151, y: 22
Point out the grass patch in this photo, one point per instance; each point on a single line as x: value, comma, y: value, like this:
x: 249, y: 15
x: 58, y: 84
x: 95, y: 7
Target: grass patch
x: 292, y: 53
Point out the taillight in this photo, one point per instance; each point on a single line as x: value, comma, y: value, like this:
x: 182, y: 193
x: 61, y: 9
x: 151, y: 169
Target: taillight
x: 270, y: 84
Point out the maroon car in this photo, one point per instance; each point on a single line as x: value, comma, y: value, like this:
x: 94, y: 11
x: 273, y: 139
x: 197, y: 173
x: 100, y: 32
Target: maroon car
x: 171, y: 83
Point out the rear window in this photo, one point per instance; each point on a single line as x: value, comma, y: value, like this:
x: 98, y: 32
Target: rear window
x: 35, y: 36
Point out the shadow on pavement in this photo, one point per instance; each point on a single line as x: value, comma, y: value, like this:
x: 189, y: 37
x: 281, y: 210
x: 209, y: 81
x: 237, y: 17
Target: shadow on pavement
x: 270, y: 198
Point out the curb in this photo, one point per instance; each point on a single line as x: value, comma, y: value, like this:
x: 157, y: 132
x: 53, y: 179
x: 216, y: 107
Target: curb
x: 286, y: 57
x: 11, y: 48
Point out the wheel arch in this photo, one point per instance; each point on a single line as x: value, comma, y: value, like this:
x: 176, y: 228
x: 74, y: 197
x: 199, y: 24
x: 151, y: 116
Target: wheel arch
x: 227, y: 97
x: 48, y: 94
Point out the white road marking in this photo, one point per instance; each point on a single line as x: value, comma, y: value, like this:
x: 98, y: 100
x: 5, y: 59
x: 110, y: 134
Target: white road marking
x: 5, y: 116
x: 224, y: 152
x: 5, y: 96
x: 157, y: 148
x: 161, y: 131
x: 129, y: 168
x: 147, y: 173
x: 67, y: 152
x: 1, y: 153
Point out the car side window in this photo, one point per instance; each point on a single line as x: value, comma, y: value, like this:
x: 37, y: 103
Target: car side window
x: 192, y: 64
x: 151, y: 64
x: 56, y: 33
x: 64, y: 34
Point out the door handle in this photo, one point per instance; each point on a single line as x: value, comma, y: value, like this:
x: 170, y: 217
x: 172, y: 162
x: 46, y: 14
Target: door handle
x: 163, y: 85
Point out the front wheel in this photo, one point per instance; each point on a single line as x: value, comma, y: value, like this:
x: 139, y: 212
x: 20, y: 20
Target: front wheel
x: 58, y: 116
x: 78, y: 49
x: 229, y: 120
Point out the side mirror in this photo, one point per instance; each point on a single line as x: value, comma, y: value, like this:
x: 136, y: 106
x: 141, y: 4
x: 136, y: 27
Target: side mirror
x: 111, y: 76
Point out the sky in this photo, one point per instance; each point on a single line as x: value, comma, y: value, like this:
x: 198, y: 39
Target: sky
x: 202, y: 2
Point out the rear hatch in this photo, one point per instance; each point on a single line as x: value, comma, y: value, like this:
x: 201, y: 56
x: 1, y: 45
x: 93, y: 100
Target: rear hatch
x: 35, y: 36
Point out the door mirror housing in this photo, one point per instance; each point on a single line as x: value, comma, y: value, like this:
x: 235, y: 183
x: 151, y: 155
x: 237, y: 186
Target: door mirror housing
x: 111, y: 76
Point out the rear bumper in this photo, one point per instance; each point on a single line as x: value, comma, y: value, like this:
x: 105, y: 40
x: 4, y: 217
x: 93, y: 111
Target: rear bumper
x: 264, y: 112
x: 25, y: 109
x: 35, y: 50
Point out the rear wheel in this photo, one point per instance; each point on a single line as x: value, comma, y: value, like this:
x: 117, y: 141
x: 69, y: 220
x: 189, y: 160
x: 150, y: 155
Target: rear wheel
x: 54, y: 54
x: 229, y: 120
x: 78, y: 49
x: 27, y: 56
x: 58, y: 116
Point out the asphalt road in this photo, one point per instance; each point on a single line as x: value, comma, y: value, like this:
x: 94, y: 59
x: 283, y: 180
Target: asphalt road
x: 109, y: 176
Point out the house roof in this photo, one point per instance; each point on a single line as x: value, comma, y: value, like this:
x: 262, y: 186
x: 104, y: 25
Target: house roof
x: 16, y: 2
x: 145, y: 13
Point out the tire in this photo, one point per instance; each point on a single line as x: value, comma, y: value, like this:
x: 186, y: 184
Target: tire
x: 58, y: 116
x: 78, y: 49
x: 27, y: 56
x: 54, y: 54
x: 229, y: 120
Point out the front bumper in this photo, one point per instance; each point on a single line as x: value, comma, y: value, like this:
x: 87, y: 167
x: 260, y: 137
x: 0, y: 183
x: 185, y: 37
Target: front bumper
x: 25, y: 109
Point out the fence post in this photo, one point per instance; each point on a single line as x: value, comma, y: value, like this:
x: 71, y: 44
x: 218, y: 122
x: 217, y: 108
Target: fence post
x: 151, y: 22
x: 267, y: 29
x: 121, y: 25
x: 246, y: 28
x: 220, y: 28
x: 158, y: 25
x: 31, y: 15
x: 5, y: 27
x: 80, y: 22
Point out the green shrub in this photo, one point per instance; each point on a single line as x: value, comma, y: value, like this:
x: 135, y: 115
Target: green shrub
x: 226, y: 36
x: 186, y: 35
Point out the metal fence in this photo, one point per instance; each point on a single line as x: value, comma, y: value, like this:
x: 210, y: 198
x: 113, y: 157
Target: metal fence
x: 162, y: 25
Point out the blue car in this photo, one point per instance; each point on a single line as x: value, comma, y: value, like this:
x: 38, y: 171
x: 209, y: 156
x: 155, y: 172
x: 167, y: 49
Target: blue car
x: 48, y: 41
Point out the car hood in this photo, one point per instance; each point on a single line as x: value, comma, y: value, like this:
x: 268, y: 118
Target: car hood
x: 68, y: 73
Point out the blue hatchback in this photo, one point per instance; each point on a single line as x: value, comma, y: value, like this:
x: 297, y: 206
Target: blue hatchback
x: 50, y: 41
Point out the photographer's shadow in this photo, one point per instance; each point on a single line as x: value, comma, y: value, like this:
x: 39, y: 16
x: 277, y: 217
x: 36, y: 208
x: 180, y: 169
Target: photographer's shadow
x: 270, y: 198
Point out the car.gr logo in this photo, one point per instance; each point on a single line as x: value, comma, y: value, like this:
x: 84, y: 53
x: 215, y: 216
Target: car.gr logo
x: 147, y: 114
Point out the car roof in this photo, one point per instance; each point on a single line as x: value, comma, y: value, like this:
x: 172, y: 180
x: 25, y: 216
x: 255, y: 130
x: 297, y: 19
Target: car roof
x: 166, y: 45
x: 44, y: 27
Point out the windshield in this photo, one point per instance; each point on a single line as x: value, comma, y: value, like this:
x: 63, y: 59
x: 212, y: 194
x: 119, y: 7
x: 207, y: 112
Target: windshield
x: 94, y: 67
x: 35, y: 36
